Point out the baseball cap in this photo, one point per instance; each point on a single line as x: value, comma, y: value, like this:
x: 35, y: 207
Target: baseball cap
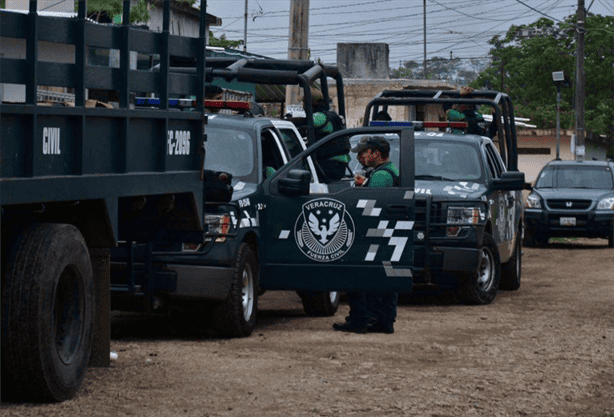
x: 377, y: 142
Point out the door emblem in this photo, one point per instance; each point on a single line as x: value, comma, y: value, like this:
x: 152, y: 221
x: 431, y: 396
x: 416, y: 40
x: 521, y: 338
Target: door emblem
x: 324, y: 230
x: 569, y: 204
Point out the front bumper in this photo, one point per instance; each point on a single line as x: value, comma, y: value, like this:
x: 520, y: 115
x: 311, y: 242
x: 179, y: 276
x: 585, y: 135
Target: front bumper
x: 587, y: 223
x: 442, y: 267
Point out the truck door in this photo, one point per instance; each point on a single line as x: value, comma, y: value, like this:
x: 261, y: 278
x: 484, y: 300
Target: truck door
x: 503, y: 207
x: 354, y: 239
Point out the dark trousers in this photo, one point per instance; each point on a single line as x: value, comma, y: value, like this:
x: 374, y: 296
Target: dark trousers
x: 378, y: 307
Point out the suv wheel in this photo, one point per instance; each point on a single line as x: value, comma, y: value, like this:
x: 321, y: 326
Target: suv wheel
x: 481, y: 286
x: 236, y: 316
x: 320, y: 304
x: 511, y: 271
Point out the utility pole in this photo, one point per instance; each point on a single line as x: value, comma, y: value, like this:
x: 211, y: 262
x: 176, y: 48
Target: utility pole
x: 245, y: 29
x: 424, y: 12
x: 580, y: 150
x: 297, y: 41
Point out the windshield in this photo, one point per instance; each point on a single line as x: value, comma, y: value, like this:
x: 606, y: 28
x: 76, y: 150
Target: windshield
x: 435, y: 158
x: 229, y: 151
x: 575, y: 176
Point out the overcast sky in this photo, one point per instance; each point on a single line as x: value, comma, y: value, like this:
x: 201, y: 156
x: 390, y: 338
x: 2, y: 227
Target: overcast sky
x: 462, y: 27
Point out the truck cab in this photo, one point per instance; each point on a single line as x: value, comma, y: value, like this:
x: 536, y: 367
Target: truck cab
x: 223, y: 273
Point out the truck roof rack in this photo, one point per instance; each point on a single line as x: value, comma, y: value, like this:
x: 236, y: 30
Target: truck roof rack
x: 499, y: 102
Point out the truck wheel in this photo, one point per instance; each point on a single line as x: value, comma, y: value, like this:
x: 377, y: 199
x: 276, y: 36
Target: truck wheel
x: 511, y: 271
x: 481, y: 286
x: 320, y: 304
x: 236, y: 316
x: 47, y: 314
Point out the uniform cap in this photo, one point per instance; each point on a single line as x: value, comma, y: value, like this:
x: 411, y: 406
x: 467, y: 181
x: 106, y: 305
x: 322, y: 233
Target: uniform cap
x: 373, y: 142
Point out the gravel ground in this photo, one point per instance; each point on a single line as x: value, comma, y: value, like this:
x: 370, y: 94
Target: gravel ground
x: 544, y: 350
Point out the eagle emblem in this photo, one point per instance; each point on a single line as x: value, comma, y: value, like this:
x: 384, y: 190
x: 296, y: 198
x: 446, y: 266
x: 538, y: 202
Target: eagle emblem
x: 324, y: 230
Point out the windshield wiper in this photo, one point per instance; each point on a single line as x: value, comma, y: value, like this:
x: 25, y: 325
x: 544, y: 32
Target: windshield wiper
x: 433, y: 177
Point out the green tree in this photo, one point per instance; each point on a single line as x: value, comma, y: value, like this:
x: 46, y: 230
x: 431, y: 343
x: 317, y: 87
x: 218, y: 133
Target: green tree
x: 522, y: 67
x: 98, y: 8
x: 407, y: 70
x: 222, y: 41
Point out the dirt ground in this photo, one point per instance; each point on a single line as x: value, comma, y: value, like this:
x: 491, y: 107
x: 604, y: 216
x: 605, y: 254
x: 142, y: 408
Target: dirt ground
x: 544, y: 350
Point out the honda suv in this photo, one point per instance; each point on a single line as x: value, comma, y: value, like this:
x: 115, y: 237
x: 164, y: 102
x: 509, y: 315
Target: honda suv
x: 571, y: 198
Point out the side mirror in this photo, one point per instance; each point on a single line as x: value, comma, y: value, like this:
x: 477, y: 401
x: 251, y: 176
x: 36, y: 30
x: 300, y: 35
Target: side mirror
x: 296, y: 183
x: 528, y: 186
x: 510, y: 181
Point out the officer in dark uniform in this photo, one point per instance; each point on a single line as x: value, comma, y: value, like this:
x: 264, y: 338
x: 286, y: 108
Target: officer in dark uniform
x: 373, y: 312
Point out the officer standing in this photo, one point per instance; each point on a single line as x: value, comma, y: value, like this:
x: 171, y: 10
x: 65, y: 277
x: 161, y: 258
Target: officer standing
x: 373, y: 312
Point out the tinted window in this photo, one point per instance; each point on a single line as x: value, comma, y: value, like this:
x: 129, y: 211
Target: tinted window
x: 546, y: 178
x: 576, y: 176
x: 435, y: 157
x: 291, y: 141
x: 230, y: 151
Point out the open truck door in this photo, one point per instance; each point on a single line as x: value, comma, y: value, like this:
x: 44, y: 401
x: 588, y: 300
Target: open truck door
x: 353, y: 239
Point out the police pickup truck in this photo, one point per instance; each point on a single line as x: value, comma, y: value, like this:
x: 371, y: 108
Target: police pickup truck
x: 222, y: 276
x: 469, y: 203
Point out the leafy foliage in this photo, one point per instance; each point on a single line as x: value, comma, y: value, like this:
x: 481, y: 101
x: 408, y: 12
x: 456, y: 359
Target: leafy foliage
x: 223, y: 42
x: 454, y: 70
x: 97, y: 9
x: 409, y: 69
x: 522, y: 68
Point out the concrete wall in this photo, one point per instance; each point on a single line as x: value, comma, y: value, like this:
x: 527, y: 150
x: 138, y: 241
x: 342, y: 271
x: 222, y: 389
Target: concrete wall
x: 363, y: 60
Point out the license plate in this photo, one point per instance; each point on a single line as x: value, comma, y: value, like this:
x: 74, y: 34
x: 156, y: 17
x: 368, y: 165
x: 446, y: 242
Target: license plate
x: 568, y: 221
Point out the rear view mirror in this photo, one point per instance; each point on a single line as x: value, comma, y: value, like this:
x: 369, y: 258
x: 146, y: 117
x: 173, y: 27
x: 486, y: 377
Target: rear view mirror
x: 510, y: 181
x: 296, y: 183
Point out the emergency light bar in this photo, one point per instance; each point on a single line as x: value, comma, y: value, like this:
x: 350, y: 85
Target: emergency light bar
x: 191, y: 103
x: 417, y: 125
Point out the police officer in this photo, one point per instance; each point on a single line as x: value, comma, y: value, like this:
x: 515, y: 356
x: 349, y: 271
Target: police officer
x: 334, y: 158
x: 373, y: 312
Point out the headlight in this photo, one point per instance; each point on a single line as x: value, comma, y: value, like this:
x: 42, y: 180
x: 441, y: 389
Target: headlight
x: 463, y: 215
x: 606, y: 204
x: 217, y: 224
x: 533, y: 201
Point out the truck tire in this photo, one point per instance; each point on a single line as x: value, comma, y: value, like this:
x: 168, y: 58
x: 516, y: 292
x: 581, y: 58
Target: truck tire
x: 511, y: 271
x: 611, y: 237
x: 236, y: 316
x: 47, y: 314
x: 480, y: 287
x: 320, y: 304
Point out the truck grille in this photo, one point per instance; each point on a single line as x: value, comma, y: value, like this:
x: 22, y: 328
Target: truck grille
x: 561, y: 204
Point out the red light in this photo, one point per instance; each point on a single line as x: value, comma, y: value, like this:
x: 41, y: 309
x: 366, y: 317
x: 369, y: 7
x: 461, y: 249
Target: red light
x: 445, y: 124
x: 452, y: 230
x: 228, y: 104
